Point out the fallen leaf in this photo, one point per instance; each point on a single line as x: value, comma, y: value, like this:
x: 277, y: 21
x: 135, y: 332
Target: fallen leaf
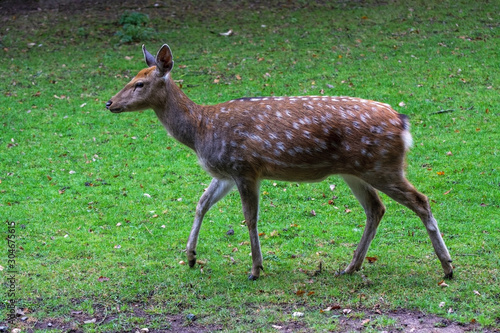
x: 347, y: 210
x: 365, y: 322
x: 93, y: 320
x: 228, y: 33
x: 445, y: 193
x: 300, y: 292
x: 277, y: 327
x: 440, y: 173
x: 118, y: 246
x: 332, y: 307
x: 182, y: 262
x: 274, y: 233
x: 476, y: 292
x: 298, y: 314
x: 371, y: 260
x: 238, y: 77
x: 313, y: 213
x: 402, y: 104
x: 442, y: 304
x: 332, y: 187
x: 118, y: 224
x: 310, y: 293
x: 449, y: 153
x: 102, y: 278
x: 442, y: 284
x: 147, y: 195
x: 346, y: 311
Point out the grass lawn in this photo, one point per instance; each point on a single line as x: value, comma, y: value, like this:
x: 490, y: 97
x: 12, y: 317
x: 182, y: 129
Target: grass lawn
x: 101, y: 205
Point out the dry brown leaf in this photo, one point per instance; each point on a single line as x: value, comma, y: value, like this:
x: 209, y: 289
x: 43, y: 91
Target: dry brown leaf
x: 300, y: 292
x: 371, y: 260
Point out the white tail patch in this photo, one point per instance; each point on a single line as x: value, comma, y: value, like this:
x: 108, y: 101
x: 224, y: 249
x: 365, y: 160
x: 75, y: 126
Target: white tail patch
x: 407, y: 139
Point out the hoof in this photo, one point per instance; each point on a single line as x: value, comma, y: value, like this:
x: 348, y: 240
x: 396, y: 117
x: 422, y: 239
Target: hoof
x: 252, y: 277
x: 192, y: 263
x: 449, y: 276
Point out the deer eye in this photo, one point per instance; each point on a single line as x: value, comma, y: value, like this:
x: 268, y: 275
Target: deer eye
x: 139, y: 84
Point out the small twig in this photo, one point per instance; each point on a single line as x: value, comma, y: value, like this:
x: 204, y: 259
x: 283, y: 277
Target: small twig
x: 149, y: 230
x: 443, y: 111
x: 103, y: 319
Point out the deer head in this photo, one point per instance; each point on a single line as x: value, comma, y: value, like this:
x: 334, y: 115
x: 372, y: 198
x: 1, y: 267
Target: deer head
x: 142, y: 92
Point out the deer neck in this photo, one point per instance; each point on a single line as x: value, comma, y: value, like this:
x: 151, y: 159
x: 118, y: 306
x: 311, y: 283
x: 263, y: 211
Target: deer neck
x: 178, y: 114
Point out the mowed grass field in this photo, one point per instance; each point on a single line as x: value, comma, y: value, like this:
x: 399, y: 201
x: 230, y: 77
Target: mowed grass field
x: 102, y: 204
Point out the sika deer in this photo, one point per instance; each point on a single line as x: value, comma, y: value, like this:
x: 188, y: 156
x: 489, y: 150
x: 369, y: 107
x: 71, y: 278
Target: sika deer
x: 302, y: 139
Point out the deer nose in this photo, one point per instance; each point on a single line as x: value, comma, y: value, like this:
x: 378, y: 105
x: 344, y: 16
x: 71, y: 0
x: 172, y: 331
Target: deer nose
x: 108, y: 104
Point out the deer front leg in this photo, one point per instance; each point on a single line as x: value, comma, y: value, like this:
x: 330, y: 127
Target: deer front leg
x: 217, y: 189
x: 249, y: 193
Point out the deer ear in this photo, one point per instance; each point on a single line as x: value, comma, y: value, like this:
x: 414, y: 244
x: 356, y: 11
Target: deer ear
x: 164, y: 61
x: 150, y: 60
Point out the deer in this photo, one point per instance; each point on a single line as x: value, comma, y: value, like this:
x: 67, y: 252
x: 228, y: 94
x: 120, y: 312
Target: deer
x: 295, y: 139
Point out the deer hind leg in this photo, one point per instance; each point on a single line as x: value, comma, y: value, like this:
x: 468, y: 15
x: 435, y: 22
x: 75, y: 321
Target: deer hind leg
x: 249, y: 193
x: 374, y: 210
x: 398, y: 188
x: 217, y: 189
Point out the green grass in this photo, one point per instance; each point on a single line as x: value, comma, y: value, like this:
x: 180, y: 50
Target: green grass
x: 71, y: 171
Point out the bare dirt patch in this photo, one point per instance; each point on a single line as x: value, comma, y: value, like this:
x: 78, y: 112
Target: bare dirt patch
x: 392, y: 321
